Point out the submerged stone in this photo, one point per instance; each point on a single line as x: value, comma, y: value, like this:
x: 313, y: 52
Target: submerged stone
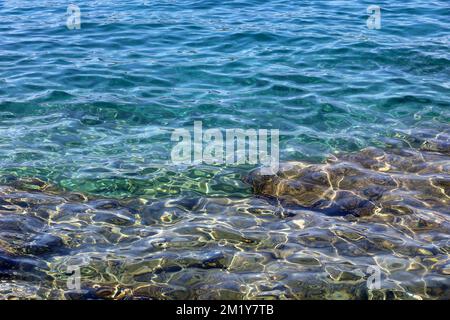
x: 362, y: 183
x: 380, y: 208
x: 44, y: 243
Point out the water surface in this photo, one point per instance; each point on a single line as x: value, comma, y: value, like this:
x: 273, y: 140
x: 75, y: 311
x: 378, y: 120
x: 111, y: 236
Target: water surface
x: 85, y: 123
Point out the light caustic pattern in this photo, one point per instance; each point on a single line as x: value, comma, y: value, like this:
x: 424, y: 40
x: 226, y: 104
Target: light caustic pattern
x: 88, y: 184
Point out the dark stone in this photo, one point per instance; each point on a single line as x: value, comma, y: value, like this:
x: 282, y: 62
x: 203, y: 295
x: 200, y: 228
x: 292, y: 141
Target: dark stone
x: 43, y: 244
x: 105, y: 204
x: 84, y: 294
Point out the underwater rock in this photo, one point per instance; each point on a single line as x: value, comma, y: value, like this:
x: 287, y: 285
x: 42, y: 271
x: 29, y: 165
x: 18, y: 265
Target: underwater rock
x: 271, y: 245
x: 44, y: 243
x: 370, y: 181
x: 160, y: 212
x: 26, y: 184
x: 14, y: 268
x: 12, y: 263
x: 84, y: 294
x: 120, y: 218
x: 428, y: 139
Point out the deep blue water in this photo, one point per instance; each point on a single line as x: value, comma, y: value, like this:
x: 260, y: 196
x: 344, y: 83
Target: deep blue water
x: 92, y: 110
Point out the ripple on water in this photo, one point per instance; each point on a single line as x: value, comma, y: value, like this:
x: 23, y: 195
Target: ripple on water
x: 234, y: 248
x: 85, y: 123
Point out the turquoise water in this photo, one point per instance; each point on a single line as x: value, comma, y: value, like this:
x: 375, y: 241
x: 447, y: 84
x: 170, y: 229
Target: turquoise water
x: 92, y: 110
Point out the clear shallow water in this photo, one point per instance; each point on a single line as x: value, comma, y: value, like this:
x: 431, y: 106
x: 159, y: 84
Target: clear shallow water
x: 91, y: 111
